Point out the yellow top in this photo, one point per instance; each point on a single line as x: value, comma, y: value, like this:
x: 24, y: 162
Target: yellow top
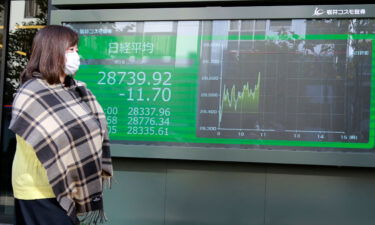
x: 29, y: 177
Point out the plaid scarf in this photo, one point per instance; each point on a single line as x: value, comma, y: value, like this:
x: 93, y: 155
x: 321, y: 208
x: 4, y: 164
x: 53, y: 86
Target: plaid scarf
x: 67, y: 129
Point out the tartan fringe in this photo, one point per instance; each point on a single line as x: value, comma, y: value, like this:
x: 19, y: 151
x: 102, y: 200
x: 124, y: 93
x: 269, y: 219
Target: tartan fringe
x: 94, y: 217
x: 97, y: 216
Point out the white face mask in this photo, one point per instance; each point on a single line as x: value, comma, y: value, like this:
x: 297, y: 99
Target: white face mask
x: 72, y: 63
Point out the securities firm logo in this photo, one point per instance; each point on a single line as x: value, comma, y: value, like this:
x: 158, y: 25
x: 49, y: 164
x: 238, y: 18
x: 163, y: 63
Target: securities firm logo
x: 338, y: 12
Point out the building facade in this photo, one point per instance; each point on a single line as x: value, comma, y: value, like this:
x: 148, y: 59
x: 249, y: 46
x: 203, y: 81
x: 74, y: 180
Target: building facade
x: 229, y: 181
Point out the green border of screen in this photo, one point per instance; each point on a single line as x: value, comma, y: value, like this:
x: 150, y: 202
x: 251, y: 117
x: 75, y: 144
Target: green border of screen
x: 369, y: 145
x: 300, y: 143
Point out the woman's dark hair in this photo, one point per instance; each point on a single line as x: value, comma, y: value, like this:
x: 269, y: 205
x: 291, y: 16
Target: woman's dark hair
x: 48, y: 53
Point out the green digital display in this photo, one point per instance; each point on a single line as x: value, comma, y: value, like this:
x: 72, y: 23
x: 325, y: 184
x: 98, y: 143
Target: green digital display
x: 234, y: 83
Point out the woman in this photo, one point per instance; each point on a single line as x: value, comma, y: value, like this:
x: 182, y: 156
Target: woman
x: 62, y: 158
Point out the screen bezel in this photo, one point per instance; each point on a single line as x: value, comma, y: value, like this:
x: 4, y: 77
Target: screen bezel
x: 285, y: 155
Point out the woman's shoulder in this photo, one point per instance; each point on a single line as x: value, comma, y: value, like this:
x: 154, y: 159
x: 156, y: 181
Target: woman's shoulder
x: 81, y: 83
x: 33, y: 85
x: 29, y: 91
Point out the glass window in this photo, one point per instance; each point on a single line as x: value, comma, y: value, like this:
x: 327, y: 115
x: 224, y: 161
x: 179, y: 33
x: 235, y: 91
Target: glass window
x: 22, y: 29
x: 32, y: 9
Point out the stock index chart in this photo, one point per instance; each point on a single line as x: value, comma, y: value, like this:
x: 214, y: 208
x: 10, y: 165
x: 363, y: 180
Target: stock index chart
x: 233, y: 83
x: 270, y: 92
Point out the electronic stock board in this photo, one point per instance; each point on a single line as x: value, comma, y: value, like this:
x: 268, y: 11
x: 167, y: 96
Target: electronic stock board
x: 238, y: 85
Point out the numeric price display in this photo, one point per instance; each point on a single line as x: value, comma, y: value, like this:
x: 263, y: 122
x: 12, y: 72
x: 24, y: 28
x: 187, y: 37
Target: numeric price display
x: 156, y: 85
x: 144, y: 89
x: 137, y: 103
x: 140, y: 87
